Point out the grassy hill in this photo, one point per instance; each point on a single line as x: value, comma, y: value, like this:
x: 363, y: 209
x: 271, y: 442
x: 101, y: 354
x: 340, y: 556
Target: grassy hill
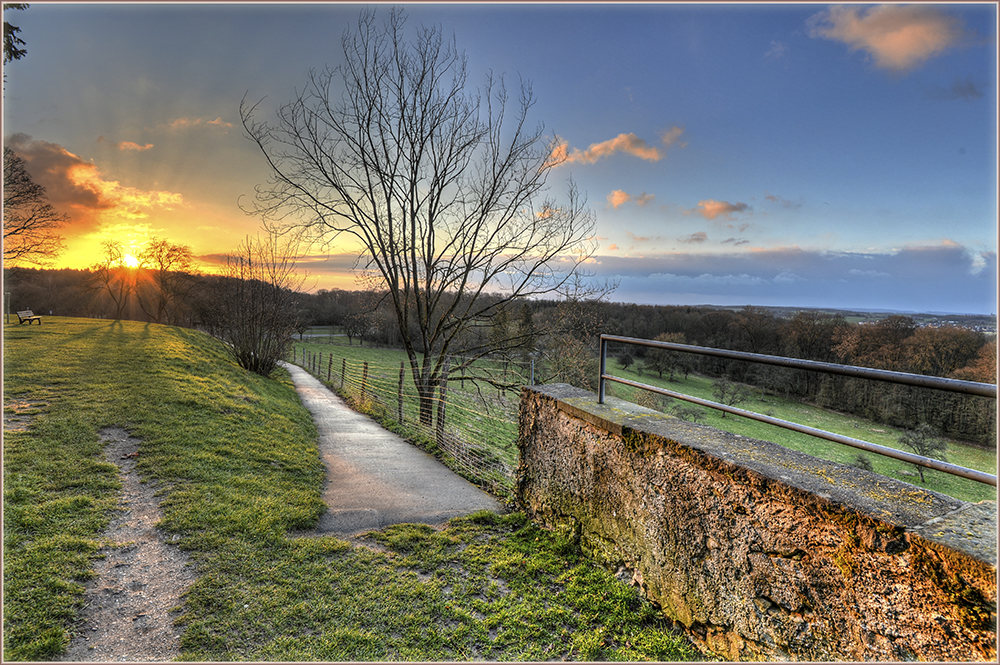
x: 235, y: 458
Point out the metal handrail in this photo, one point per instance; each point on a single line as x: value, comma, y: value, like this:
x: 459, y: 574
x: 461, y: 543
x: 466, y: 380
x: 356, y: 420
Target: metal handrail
x: 950, y: 385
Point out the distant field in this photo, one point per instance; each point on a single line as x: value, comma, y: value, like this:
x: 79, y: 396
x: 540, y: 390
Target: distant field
x: 840, y: 423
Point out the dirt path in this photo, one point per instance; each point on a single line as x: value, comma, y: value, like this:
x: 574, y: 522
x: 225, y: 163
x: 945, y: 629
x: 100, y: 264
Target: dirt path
x: 128, y: 614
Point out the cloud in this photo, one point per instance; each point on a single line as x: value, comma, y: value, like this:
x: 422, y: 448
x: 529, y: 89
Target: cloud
x: 785, y: 203
x: 617, y: 198
x: 734, y: 242
x: 188, y: 123
x: 77, y: 187
x: 966, y: 90
x: 777, y: 50
x: 945, y: 277
x: 710, y: 209
x: 898, y: 38
x: 128, y: 145
x: 629, y: 144
x: 698, y: 237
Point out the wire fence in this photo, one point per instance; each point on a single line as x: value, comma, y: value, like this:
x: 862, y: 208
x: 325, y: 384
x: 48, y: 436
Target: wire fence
x: 471, y: 427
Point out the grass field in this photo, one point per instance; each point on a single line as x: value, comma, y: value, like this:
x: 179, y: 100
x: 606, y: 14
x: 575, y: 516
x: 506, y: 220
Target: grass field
x: 848, y: 425
x: 236, y: 460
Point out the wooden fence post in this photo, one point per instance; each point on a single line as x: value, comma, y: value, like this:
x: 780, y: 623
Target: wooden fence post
x: 343, y: 371
x: 364, y: 380
x: 443, y: 394
x: 401, y: 375
x: 329, y: 368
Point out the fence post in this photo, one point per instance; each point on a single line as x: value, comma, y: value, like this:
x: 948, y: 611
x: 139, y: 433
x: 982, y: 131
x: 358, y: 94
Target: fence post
x: 364, y: 380
x: 443, y: 396
x: 600, y: 381
x: 343, y: 371
x: 329, y: 368
x: 402, y: 373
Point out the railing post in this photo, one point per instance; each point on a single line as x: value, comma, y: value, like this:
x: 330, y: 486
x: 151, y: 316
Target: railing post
x: 600, y: 381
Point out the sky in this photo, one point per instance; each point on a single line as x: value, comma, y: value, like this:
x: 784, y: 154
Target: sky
x: 795, y: 155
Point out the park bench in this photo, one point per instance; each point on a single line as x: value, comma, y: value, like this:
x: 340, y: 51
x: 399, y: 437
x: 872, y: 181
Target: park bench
x: 29, y: 316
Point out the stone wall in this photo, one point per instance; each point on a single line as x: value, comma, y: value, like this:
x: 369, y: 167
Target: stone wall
x: 761, y: 552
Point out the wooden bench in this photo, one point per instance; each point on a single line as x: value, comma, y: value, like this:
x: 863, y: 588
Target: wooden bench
x: 29, y: 316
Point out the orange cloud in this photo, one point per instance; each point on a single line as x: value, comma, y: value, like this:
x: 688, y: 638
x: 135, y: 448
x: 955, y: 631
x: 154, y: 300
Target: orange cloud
x: 618, y: 197
x: 129, y: 145
x: 77, y: 187
x: 898, y: 37
x: 186, y: 123
x: 710, y: 209
x: 629, y: 144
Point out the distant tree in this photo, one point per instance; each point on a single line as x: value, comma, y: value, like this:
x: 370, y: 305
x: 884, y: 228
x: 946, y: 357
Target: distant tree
x: 442, y: 185
x: 526, y: 331
x: 255, y: 309
x: 924, y: 442
x: 939, y: 351
x: 625, y: 359
x: 114, y: 276
x: 983, y: 368
x: 664, y: 360
x: 730, y: 393
x: 756, y: 330
x: 30, y: 223
x: 168, y: 267
x: 11, y: 41
x: 879, y: 345
x: 689, y: 413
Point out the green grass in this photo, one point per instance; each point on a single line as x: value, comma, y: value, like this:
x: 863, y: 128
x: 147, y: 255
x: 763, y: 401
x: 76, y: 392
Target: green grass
x: 236, y: 460
x: 848, y: 425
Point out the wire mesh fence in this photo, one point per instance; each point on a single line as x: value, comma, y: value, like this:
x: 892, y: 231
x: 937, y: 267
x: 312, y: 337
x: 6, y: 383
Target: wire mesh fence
x: 471, y: 427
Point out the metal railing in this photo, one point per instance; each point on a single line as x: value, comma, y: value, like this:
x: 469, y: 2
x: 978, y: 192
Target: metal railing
x: 938, y: 383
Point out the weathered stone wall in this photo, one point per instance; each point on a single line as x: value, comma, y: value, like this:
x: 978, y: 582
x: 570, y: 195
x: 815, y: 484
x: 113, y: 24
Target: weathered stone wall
x: 761, y: 552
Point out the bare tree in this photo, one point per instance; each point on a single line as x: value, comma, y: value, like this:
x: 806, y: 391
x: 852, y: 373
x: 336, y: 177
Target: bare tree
x: 255, y: 309
x: 30, y: 223
x: 925, y: 442
x: 114, y: 275
x: 729, y: 392
x: 168, y: 267
x: 443, y: 187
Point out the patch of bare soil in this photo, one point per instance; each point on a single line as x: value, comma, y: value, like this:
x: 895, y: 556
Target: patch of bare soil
x: 131, y: 605
x: 17, y: 414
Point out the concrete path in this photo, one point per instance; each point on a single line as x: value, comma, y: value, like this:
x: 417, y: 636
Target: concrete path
x: 373, y: 477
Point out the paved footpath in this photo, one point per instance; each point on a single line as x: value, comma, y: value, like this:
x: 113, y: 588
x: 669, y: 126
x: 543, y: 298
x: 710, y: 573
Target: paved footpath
x: 373, y: 477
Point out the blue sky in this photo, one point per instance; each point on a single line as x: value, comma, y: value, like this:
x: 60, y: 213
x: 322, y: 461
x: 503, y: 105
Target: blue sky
x: 772, y: 154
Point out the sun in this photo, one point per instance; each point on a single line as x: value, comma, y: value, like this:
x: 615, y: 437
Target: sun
x: 130, y: 261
